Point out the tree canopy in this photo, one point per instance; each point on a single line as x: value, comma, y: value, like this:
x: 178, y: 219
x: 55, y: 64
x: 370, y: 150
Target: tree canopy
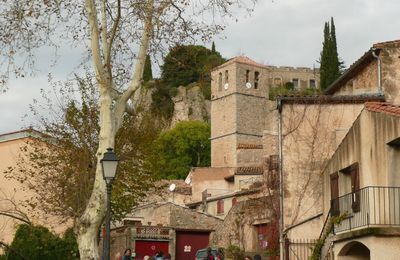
x: 186, y: 64
x: 330, y: 68
x: 37, y: 242
x: 184, y: 146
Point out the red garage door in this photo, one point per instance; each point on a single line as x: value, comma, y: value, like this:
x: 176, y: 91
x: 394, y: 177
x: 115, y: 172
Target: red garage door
x: 188, y: 242
x: 149, y: 248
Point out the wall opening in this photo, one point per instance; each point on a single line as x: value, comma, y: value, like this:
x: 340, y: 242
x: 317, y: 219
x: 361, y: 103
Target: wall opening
x: 355, y: 250
x: 256, y: 79
x: 220, y: 81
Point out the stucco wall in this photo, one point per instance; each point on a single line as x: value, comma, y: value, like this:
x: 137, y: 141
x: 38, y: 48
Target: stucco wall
x: 310, y: 138
x: 366, y: 144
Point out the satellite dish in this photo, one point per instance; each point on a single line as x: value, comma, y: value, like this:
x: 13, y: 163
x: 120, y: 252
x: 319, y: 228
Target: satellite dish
x: 226, y: 86
x: 172, y: 187
x: 248, y: 85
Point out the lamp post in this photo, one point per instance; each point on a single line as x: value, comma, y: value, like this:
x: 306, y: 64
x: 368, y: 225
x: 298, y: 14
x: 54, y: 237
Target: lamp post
x: 109, y: 165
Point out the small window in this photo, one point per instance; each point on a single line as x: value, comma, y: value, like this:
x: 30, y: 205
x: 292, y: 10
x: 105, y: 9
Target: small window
x: 234, y: 201
x: 220, y: 207
x: 335, y: 194
x: 256, y: 79
x: 247, y: 75
x: 295, y: 83
x: 278, y: 82
x: 226, y: 77
x: 220, y: 81
x: 312, y: 84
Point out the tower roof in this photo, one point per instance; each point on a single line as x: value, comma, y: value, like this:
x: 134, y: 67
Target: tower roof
x: 243, y: 60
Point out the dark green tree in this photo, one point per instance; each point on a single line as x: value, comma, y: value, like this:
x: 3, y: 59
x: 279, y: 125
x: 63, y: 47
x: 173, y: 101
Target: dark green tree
x: 147, y: 73
x: 177, y: 150
x: 186, y: 64
x: 213, y: 48
x: 37, y: 242
x: 330, y: 64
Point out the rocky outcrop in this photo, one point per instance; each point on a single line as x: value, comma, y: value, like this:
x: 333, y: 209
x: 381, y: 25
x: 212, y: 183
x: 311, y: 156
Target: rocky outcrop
x: 190, y: 104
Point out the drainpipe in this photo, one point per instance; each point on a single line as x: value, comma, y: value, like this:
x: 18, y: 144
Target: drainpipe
x: 379, y: 71
x: 281, y: 223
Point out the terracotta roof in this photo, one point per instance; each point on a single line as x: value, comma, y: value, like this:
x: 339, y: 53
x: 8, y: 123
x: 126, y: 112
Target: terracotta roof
x: 383, y: 108
x: 394, y: 43
x: 249, y: 170
x: 249, y: 146
x: 329, y: 99
x: 243, y: 60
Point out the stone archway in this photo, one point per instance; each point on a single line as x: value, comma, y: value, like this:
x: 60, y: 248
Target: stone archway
x: 354, y: 251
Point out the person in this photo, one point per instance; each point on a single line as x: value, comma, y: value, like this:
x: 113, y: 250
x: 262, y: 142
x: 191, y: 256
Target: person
x: 159, y: 255
x: 247, y: 258
x: 127, y: 254
x: 220, y: 254
x: 257, y: 257
x: 209, y: 254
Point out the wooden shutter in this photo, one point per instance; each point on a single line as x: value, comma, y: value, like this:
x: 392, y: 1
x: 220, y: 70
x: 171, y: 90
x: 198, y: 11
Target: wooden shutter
x: 355, y: 187
x: 335, y: 194
x: 220, y: 206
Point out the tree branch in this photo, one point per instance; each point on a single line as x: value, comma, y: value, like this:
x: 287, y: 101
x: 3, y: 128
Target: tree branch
x: 113, y: 33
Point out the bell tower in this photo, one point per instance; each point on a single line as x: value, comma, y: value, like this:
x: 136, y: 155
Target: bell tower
x: 239, y: 96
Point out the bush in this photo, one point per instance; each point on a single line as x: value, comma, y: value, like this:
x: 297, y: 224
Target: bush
x: 37, y: 242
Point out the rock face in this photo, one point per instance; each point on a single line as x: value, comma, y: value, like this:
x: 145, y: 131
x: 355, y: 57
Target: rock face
x: 190, y: 104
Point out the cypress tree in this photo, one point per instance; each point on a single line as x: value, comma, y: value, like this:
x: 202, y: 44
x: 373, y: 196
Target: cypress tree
x: 329, y: 61
x: 147, y: 73
x: 213, y: 48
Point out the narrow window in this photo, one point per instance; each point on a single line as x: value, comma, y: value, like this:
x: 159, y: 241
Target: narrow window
x: 295, y: 83
x: 312, y: 84
x: 234, y: 201
x: 226, y: 76
x: 335, y: 194
x: 220, y: 81
x: 247, y: 75
x: 220, y: 207
x: 256, y: 78
x: 355, y: 188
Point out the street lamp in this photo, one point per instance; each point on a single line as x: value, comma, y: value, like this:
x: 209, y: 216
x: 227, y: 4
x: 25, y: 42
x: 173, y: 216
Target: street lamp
x: 109, y: 165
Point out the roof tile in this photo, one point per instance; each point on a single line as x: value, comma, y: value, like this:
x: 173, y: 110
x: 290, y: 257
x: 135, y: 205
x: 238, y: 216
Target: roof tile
x: 381, y: 107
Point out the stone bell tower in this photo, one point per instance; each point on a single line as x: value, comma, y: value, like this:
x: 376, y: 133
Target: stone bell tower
x: 239, y: 96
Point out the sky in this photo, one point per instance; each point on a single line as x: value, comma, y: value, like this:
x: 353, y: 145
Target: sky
x: 278, y: 32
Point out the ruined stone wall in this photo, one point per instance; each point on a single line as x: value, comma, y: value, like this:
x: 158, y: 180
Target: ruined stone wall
x: 391, y: 72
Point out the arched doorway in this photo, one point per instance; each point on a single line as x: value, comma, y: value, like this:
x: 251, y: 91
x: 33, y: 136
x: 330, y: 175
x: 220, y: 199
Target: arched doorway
x: 354, y: 251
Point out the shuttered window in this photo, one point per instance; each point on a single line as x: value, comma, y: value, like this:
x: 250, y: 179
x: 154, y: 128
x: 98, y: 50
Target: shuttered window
x: 335, y: 194
x: 355, y: 187
x: 220, y: 207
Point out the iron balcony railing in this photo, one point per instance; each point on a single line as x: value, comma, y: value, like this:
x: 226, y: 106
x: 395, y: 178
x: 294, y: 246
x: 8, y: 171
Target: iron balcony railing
x: 368, y: 207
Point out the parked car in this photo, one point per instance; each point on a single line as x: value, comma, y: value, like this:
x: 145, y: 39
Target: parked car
x: 202, y: 253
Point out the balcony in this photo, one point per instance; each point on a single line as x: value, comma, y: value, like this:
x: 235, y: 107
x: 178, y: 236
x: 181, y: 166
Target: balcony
x: 368, y: 207
x: 151, y: 232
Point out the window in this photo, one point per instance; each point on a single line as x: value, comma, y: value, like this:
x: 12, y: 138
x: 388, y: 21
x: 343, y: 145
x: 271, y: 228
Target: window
x: 335, y: 194
x: 220, y: 81
x: 278, y: 82
x: 256, y: 78
x: 295, y: 83
x: 234, y: 201
x: 353, y: 171
x: 312, y: 83
x: 226, y: 77
x: 220, y: 207
x: 247, y: 75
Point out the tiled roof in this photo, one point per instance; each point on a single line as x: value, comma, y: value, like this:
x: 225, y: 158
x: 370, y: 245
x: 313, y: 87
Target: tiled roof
x: 249, y: 170
x: 329, y: 99
x: 394, y: 43
x: 249, y: 146
x: 383, y: 108
x: 242, y: 60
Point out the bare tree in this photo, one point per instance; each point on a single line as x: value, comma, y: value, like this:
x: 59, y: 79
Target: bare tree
x: 118, y: 36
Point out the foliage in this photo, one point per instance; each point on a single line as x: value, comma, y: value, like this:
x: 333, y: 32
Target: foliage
x: 288, y: 90
x: 317, y: 250
x: 177, y: 150
x: 186, y: 64
x: 147, y: 73
x: 162, y: 104
x: 330, y: 64
x: 63, y: 187
x: 37, y: 242
x: 234, y: 252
